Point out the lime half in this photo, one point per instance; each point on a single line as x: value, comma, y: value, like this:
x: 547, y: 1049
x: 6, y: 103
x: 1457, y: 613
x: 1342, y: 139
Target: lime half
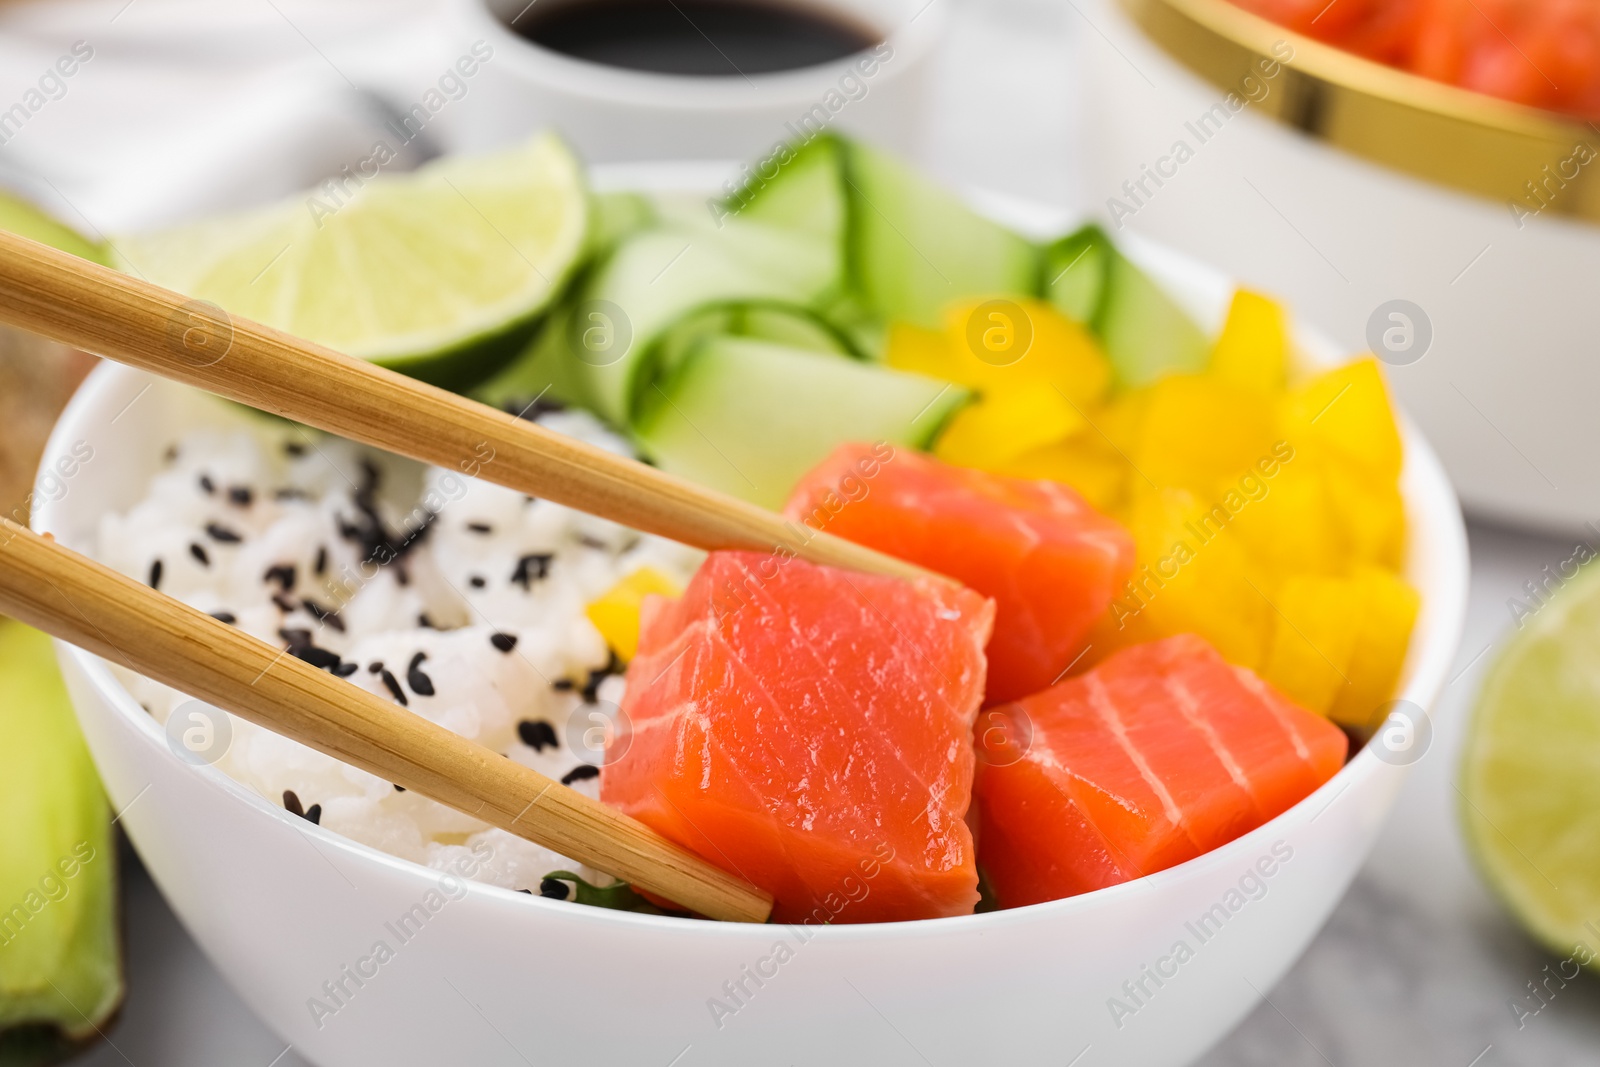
x: 1530, y: 777
x: 439, y: 272
x: 23, y: 218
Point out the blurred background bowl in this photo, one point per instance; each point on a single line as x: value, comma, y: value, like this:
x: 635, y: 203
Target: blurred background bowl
x: 1453, y: 233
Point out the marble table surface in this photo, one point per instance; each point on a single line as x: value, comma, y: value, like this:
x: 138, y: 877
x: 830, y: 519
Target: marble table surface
x: 1418, y: 963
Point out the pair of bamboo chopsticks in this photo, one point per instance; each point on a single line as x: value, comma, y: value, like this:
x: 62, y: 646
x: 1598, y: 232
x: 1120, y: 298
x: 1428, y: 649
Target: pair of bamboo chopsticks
x: 90, y: 307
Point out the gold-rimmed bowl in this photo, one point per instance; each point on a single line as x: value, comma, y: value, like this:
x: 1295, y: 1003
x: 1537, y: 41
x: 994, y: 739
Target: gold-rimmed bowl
x: 1455, y: 234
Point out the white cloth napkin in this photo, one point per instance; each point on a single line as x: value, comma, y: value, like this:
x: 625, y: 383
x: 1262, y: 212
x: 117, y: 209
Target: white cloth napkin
x: 175, y: 108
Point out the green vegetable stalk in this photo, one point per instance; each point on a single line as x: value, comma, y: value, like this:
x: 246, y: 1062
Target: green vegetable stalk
x: 60, y: 955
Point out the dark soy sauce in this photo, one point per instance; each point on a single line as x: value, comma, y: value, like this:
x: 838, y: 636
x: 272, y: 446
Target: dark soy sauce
x: 695, y: 37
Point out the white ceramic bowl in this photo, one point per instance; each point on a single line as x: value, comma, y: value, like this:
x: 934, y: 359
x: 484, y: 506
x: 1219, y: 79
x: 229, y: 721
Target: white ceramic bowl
x: 496, y: 977
x: 1507, y: 390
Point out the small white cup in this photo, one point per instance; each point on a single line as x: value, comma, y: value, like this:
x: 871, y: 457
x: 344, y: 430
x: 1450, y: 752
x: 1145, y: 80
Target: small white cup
x: 613, y: 114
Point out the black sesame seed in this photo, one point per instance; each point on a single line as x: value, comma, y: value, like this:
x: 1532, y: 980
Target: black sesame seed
x: 581, y: 773
x: 225, y: 616
x: 221, y: 534
x: 198, y: 552
x: 477, y: 581
x: 294, y: 448
x: 425, y: 622
x: 419, y: 682
x: 591, y: 688
x: 504, y: 642
x: 553, y: 888
x: 531, y: 568
x: 314, y: 814
x: 527, y: 891
x: 291, y: 803
x: 323, y: 615
x: 155, y: 575
x: 591, y: 541
x: 321, y: 566
x: 563, y: 685
x: 170, y: 454
x: 207, y: 486
x: 320, y: 658
x: 285, y: 605
x: 282, y: 573
x: 391, y: 683
x: 345, y: 670
x: 375, y: 667
x: 399, y: 788
x: 290, y: 493
x: 242, y: 495
x: 537, y: 734
x: 480, y: 527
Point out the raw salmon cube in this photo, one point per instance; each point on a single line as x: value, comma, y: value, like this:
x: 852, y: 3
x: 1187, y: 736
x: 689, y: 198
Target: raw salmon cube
x: 810, y: 729
x: 1159, y: 754
x: 1050, y: 561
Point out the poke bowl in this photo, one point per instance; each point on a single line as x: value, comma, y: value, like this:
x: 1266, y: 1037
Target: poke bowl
x: 1363, y: 191
x: 355, y: 955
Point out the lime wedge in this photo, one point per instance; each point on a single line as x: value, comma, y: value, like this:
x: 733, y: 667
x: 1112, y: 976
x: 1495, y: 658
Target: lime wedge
x: 1530, y: 776
x: 21, y: 217
x: 440, y: 273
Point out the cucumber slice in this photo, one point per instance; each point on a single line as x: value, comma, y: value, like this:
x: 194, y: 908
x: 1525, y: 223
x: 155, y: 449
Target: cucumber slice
x: 614, y: 217
x: 603, y: 348
x: 785, y: 324
x: 914, y: 247
x: 750, y: 417
x: 60, y: 954
x: 1075, y: 273
x: 1145, y: 333
x: 807, y: 193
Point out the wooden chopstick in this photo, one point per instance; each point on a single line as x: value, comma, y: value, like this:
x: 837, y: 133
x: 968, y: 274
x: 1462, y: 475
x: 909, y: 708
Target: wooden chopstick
x: 80, y: 601
x: 110, y: 314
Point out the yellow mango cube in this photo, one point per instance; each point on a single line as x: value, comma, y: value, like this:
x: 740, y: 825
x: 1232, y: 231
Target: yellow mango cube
x: 920, y: 351
x: 1001, y: 426
x: 1340, y: 642
x: 1318, y: 621
x: 616, y: 612
x: 1084, y: 461
x: 1252, y: 351
x: 1289, y: 519
x: 1197, y: 431
x: 1347, y: 411
x: 1193, y: 575
x: 1011, y: 343
x: 1389, y: 615
x: 1368, y: 511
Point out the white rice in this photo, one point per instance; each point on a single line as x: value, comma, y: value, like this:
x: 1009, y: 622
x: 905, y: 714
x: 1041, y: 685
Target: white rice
x: 489, y: 562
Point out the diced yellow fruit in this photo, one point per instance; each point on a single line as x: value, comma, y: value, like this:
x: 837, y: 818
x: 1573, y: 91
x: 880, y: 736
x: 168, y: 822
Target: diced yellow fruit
x: 1121, y: 420
x: 920, y: 351
x: 1340, y: 642
x: 1001, y: 426
x: 1347, y: 410
x: 1193, y: 576
x: 1283, y: 511
x: 1198, y: 431
x: 616, y: 613
x: 1388, y: 616
x: 1368, y: 511
x: 1318, y: 619
x: 1084, y: 462
x: 1252, y: 351
x: 996, y: 350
